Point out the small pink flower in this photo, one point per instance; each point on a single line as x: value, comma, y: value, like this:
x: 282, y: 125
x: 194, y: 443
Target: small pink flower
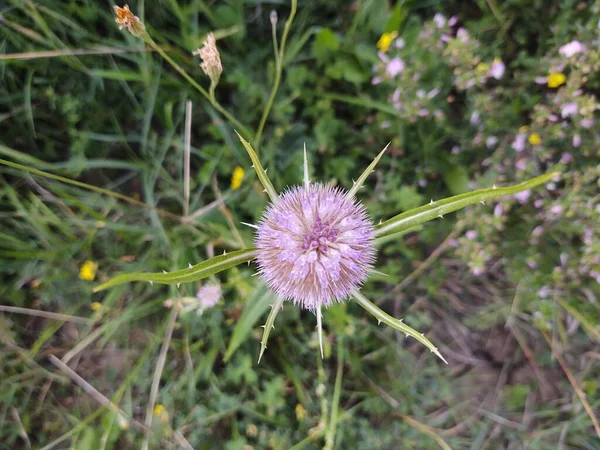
x: 208, y: 295
x: 399, y: 43
x: 576, y: 141
x: 497, y: 69
x: 521, y: 164
x: 432, y: 93
x: 587, y: 123
x: 522, y: 197
x: 566, y: 157
x: 376, y: 80
x: 386, y: 124
x: 383, y: 57
x: 572, y: 48
x: 394, y: 67
x: 396, y: 95
x: 538, y: 203
x: 462, y: 35
x: 452, y: 21
x: 556, y: 209
x: 423, y: 112
x: 471, y: 234
x: 475, y: 118
x: 520, y: 141
x: 455, y: 150
x: 544, y: 292
x: 569, y: 109
x: 537, y: 231
x: 491, y: 141
x: 541, y: 80
x: 498, y: 210
x: 440, y: 20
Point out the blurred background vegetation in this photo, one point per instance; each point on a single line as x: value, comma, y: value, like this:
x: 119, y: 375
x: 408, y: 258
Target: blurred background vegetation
x: 469, y: 93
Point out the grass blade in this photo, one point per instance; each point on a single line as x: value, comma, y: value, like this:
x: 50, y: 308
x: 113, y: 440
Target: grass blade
x: 194, y: 273
x: 260, y: 171
x: 397, y: 324
x: 254, y: 309
x: 438, y: 209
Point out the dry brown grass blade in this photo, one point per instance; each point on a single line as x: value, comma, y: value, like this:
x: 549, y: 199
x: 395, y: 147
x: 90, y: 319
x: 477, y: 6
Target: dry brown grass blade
x: 573, y: 381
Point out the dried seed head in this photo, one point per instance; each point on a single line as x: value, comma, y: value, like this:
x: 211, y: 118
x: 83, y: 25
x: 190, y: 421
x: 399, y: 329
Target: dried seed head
x: 315, y: 245
x: 126, y: 19
x: 211, y: 60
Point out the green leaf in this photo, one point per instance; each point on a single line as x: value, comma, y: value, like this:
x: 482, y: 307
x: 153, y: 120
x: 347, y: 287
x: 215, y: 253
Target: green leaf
x: 260, y: 171
x: 325, y: 43
x: 442, y: 207
x: 397, y: 324
x: 198, y: 272
x: 255, y: 308
x: 456, y: 178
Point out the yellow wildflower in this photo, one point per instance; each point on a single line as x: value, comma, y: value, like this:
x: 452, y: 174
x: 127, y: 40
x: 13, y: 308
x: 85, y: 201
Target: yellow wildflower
x: 555, y: 79
x: 159, y: 409
x: 535, y: 139
x: 386, y: 40
x: 482, y: 67
x: 237, y: 177
x: 300, y: 412
x: 160, y: 412
x: 88, y: 271
x: 96, y: 306
x: 126, y: 19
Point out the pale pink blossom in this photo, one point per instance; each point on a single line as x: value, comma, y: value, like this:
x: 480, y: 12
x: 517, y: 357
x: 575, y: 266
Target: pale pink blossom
x: 395, y: 67
x: 519, y: 144
x: 475, y: 118
x: 440, y: 20
x: 491, y: 141
x: 452, y: 21
x: 566, y: 157
x: 587, y: 123
x: 572, y: 48
x: 471, y: 234
x: 569, y: 109
x: 576, y: 141
x: 497, y: 69
x: 208, y: 295
x: 523, y: 196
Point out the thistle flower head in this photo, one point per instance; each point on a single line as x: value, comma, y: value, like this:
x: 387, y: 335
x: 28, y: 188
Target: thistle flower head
x: 126, y: 19
x: 315, y: 245
x: 211, y: 59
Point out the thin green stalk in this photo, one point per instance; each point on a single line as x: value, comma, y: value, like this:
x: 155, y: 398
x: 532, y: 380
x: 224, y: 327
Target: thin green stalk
x: 337, y: 391
x: 211, y: 98
x: 278, y: 71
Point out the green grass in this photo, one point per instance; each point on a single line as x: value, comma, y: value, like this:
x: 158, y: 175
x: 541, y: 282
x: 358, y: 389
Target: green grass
x: 108, y: 123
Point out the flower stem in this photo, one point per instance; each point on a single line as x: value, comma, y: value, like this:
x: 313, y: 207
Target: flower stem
x: 210, y: 96
x: 278, y: 72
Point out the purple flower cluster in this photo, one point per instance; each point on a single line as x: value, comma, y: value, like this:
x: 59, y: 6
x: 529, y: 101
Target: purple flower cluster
x: 315, y: 245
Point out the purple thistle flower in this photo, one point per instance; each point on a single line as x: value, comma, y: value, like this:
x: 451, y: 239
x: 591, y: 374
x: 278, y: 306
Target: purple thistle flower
x: 315, y: 245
